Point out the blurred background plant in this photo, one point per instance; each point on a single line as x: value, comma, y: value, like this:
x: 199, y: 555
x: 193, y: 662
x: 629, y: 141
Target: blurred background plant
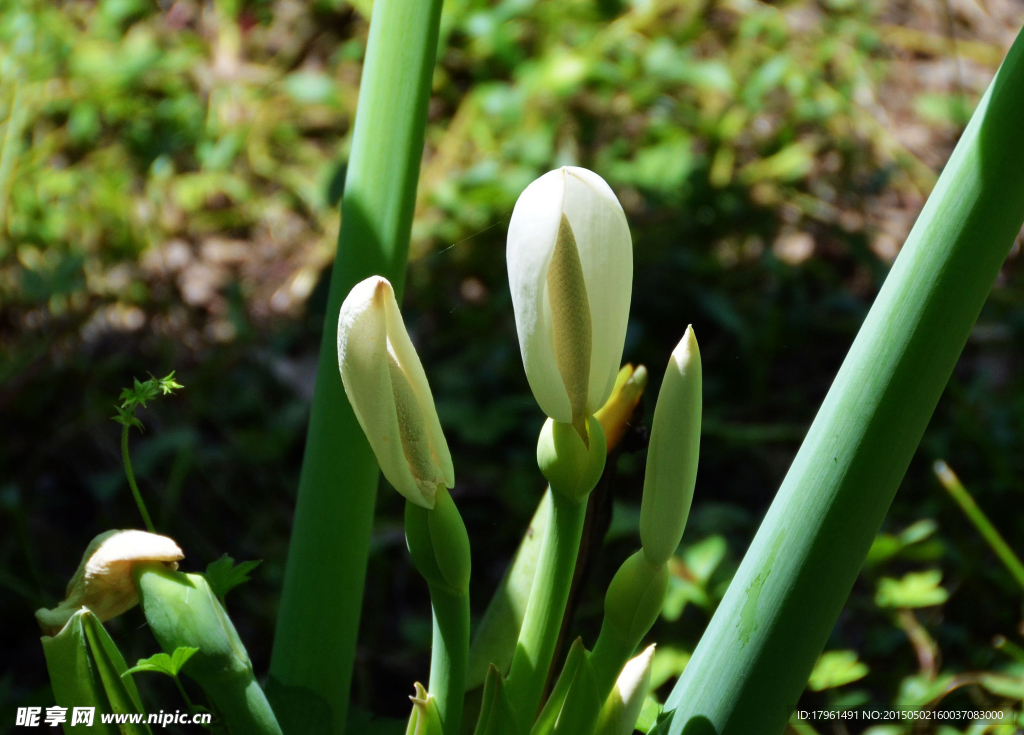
x: 169, y: 180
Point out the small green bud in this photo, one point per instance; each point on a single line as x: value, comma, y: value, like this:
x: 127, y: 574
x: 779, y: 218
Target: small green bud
x: 571, y: 466
x: 438, y: 543
x: 103, y: 581
x: 673, y: 453
x: 635, y: 598
x: 182, y: 610
x: 424, y: 719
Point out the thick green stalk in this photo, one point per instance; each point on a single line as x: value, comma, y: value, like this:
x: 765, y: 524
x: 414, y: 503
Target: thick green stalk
x: 315, y: 642
x: 449, y: 656
x: 536, y: 645
x: 754, y: 659
x: 981, y: 522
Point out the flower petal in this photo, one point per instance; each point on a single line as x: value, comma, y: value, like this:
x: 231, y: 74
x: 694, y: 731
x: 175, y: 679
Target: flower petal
x: 606, y: 253
x: 103, y: 581
x: 408, y: 359
x: 622, y: 709
x: 532, y: 234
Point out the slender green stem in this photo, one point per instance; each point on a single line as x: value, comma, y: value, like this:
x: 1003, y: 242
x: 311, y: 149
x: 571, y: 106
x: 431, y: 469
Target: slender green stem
x: 753, y: 661
x: 183, y: 693
x: 537, y: 639
x: 449, y: 656
x: 975, y: 515
x: 1011, y: 649
x: 131, y: 479
x: 318, y: 619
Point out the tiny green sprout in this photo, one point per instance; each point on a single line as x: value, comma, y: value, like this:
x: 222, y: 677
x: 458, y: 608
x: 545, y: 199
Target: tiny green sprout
x: 139, y: 394
x: 131, y: 399
x: 224, y: 575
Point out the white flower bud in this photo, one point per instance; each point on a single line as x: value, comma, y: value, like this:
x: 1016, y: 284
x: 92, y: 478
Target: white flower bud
x: 622, y: 708
x: 570, y: 269
x: 103, y: 582
x: 389, y: 393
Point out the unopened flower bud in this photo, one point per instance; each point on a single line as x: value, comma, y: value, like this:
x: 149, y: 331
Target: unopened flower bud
x: 571, y: 467
x: 103, y: 581
x: 424, y: 719
x: 622, y: 708
x: 389, y: 393
x: 570, y: 270
x: 183, y: 611
x: 617, y: 411
x: 673, y: 454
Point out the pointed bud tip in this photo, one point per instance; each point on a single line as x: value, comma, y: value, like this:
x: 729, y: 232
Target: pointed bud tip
x: 686, y: 350
x: 639, y: 377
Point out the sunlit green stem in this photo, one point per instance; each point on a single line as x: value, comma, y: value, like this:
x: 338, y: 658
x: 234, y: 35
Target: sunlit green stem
x: 131, y: 479
x: 449, y: 655
x: 544, y: 612
x: 318, y: 620
x: 610, y: 654
x: 981, y: 522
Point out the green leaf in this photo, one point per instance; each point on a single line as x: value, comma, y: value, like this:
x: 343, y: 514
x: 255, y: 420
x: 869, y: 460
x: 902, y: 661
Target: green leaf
x: 86, y: 670
x: 161, y: 663
x: 916, y: 589
x: 759, y: 649
x: 224, y: 575
x: 689, y: 584
x: 834, y: 669
x: 668, y: 663
x: 649, y: 714
x: 139, y: 394
x: 496, y: 636
x: 919, y: 690
x: 1003, y: 685
x: 887, y: 546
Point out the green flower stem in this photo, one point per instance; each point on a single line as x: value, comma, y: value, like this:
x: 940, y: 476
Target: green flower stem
x: 975, y: 515
x: 183, y: 693
x: 610, y: 654
x: 449, y: 656
x: 544, y: 612
x: 318, y: 619
x: 753, y: 661
x: 131, y: 479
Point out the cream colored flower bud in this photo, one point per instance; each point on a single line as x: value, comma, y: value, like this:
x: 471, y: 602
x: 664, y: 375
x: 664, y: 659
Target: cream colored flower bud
x: 570, y: 269
x: 389, y: 393
x: 622, y: 708
x: 673, y: 453
x: 103, y: 582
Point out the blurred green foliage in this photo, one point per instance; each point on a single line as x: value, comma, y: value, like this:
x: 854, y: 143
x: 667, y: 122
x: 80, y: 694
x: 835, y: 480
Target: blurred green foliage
x: 169, y: 179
